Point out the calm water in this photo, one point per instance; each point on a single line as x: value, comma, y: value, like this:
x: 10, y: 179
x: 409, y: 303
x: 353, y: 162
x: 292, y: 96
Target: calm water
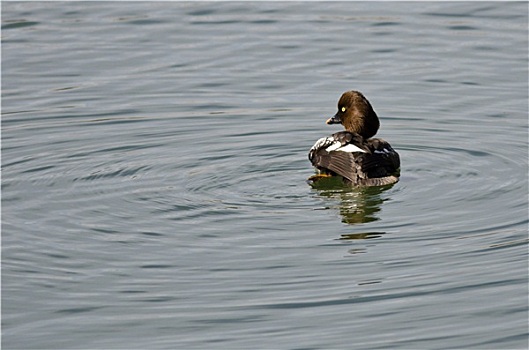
x: 154, y: 158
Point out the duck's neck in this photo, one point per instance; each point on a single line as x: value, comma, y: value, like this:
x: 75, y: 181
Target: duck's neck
x: 365, y: 126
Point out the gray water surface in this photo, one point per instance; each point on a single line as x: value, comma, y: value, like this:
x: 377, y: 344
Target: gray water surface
x: 154, y: 158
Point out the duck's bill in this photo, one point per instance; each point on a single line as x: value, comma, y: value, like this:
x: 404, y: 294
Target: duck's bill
x: 334, y: 120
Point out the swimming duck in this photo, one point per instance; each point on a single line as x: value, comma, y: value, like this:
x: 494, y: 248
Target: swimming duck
x: 353, y: 154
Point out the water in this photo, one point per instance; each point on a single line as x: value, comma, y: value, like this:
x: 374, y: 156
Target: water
x: 154, y: 158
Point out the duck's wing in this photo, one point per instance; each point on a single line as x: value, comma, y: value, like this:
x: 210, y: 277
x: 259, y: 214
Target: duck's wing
x: 339, y: 153
x: 382, y: 159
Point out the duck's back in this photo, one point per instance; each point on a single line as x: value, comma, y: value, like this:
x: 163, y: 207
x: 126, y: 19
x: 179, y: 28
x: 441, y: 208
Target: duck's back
x: 371, y: 162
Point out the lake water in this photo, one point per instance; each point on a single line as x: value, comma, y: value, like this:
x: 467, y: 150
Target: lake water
x: 154, y: 158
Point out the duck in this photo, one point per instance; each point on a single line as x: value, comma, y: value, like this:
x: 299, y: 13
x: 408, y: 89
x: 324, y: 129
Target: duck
x: 353, y: 154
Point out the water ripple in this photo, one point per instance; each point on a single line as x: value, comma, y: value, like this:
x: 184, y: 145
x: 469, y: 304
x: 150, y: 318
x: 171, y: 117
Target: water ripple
x: 166, y: 195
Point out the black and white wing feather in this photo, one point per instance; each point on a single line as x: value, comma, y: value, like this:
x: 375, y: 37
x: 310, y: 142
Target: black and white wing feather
x: 338, y: 154
x: 382, y: 161
x: 371, y: 162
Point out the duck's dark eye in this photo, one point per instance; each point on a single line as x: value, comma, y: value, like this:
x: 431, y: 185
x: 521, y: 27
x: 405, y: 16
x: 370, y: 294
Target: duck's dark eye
x: 343, y: 109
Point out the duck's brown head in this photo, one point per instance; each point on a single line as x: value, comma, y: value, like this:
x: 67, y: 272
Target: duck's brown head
x: 356, y: 115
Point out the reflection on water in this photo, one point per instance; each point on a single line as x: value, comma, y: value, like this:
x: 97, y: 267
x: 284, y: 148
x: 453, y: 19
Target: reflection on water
x: 357, y: 205
x: 361, y: 235
x: 159, y: 202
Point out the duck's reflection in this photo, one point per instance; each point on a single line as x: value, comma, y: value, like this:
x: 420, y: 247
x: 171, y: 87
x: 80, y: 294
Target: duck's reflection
x: 357, y: 205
